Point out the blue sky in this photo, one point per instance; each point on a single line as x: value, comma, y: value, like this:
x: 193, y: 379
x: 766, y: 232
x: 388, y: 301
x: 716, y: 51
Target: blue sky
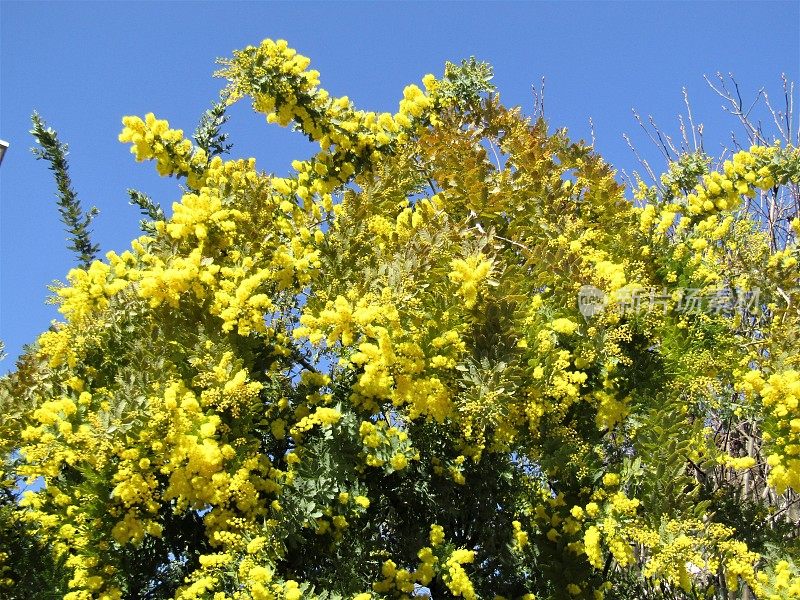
x: 83, y: 65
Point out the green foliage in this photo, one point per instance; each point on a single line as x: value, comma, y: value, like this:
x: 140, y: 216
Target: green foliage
x: 69, y: 207
x: 148, y: 208
x: 209, y: 135
x: 466, y: 84
x: 28, y: 571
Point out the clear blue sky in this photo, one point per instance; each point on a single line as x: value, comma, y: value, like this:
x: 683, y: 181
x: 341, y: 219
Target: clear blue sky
x: 83, y: 65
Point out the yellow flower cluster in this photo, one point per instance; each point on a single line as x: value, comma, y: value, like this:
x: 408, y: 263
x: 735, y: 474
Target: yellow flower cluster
x: 196, y: 214
x: 783, y: 582
x: 520, y: 535
x: 456, y: 577
x: 406, y: 581
x: 401, y: 580
x: 386, y: 446
x: 322, y: 416
x: 436, y: 535
x: 390, y: 360
x: 344, y: 321
x: 282, y: 87
x: 426, y: 570
x: 471, y: 273
x: 680, y: 545
x: 610, y: 409
x: 610, y: 274
x: 182, y: 444
x: 612, y: 530
x: 209, y: 225
x: 165, y: 281
x: 564, y: 326
x: 91, y: 288
x: 747, y: 169
x: 780, y: 394
x: 153, y: 139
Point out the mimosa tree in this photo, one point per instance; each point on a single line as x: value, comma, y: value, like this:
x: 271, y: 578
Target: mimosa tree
x: 446, y: 356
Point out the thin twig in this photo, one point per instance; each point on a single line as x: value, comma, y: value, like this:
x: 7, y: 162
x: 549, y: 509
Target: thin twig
x: 689, y: 112
x: 538, y: 100
x: 658, y: 145
x: 642, y: 161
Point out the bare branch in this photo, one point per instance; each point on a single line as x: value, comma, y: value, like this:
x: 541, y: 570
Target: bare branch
x: 642, y: 161
x: 691, y: 120
x: 538, y: 100
x: 665, y: 140
x: 736, y: 106
x: 658, y: 145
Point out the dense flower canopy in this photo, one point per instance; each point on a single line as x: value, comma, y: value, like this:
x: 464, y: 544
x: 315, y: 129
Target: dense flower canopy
x: 447, y: 356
